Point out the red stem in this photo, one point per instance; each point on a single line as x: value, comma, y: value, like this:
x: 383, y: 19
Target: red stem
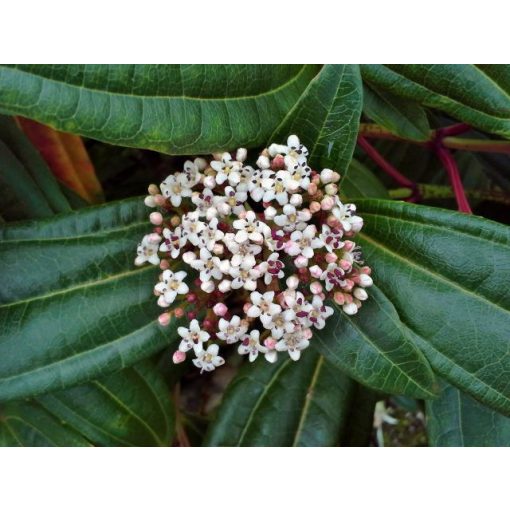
x: 450, y: 165
x: 385, y: 165
x: 453, y: 130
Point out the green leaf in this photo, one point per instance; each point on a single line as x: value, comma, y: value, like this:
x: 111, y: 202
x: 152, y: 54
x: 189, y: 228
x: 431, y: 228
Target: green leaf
x: 359, y: 181
x: 477, y: 95
x: 73, y: 306
x: 326, y: 118
x: 444, y: 273
x: 402, y: 117
x: 176, y: 109
x: 373, y: 348
x: 284, y: 404
x: 455, y: 419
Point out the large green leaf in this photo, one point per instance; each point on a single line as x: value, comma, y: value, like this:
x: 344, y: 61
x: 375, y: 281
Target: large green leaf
x: 477, y: 95
x: 445, y: 272
x: 402, y: 117
x: 326, y: 118
x: 73, y: 307
x: 359, y: 181
x: 177, y: 109
x: 374, y: 348
x: 128, y: 408
x: 284, y: 404
x: 454, y: 419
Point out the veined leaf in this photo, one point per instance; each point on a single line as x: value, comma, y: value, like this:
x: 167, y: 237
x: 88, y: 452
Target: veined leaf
x: 443, y: 271
x: 284, y: 404
x: 405, y: 118
x: 477, y: 95
x: 455, y: 419
x: 359, y: 181
x: 373, y: 348
x: 327, y: 116
x: 161, y: 107
x: 75, y: 308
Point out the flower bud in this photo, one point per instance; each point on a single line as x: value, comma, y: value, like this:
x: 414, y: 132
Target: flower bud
x: 212, y: 212
x: 316, y: 271
x: 360, y: 294
x: 164, y: 319
x: 345, y: 265
x: 209, y: 181
x: 263, y: 162
x: 207, y: 287
x: 327, y: 203
x: 316, y: 288
x: 331, y: 257
x: 159, y: 200
x: 349, y: 245
x: 292, y: 282
x: 220, y: 309
x: 154, y: 238
x: 164, y: 264
x: 365, y: 280
x: 270, y: 213
x: 150, y: 201
x: 218, y: 249
x: 350, y: 309
x: 312, y: 189
x: 241, y: 154
x: 153, y: 189
x: 179, y: 312
x: 270, y: 342
x: 200, y: 163
x: 278, y: 162
x: 162, y: 302
x: 223, y: 208
x: 224, y: 286
x: 339, y: 298
x: 331, y: 189
x: 178, y: 357
x: 300, y: 261
x: 296, y: 200
x: 189, y: 257
x: 156, y: 218
x: 315, y: 207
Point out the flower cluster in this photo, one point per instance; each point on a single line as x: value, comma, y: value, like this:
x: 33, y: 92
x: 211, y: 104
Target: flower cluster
x: 264, y: 247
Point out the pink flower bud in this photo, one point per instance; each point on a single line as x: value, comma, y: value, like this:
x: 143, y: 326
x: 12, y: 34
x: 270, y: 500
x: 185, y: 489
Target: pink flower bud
x: 300, y: 261
x: 278, y: 162
x: 345, y: 265
x: 220, y: 309
x: 164, y: 319
x: 339, y: 298
x: 327, y: 203
x: 159, y: 200
x: 164, y: 264
x: 333, y: 222
x: 178, y: 357
x: 179, y: 312
x: 366, y: 270
x: 156, y: 218
x: 348, y: 284
x: 270, y: 342
x: 307, y: 334
x: 315, y: 207
x: 316, y: 288
x: 316, y: 271
x: 349, y: 245
x: 331, y: 257
x: 246, y: 307
x: 312, y: 188
x: 292, y: 282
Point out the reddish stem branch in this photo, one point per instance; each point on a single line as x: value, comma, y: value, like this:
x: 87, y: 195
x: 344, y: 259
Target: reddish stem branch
x: 453, y: 130
x: 385, y: 165
x: 450, y: 165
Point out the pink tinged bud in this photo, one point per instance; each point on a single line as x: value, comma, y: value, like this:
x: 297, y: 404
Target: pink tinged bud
x: 153, y: 190
x: 156, y: 218
x: 315, y: 207
x: 207, y: 287
x: 348, y: 298
x: 316, y: 271
x: 150, y: 201
x: 300, y: 261
x: 292, y: 282
x: 164, y: 319
x: 316, y: 178
x: 220, y: 309
x: 331, y: 189
x: 242, y: 215
x: 191, y: 298
x: 366, y: 270
x: 360, y: 294
x: 322, y: 296
x: 365, y: 280
x: 179, y: 312
x: 316, y: 288
x: 345, y: 265
x: 327, y: 203
x: 178, y: 357
x: 189, y: 257
x: 312, y: 188
x: 209, y: 181
x: 307, y: 334
x: 191, y: 315
x: 164, y: 264
x: 333, y: 222
x: 349, y: 245
x: 339, y: 298
x: 208, y: 324
x: 296, y: 200
x: 331, y: 257
x: 278, y: 162
x: 159, y: 200
x: 270, y: 342
x: 246, y: 307
x: 350, y: 309
x: 218, y: 249
x: 292, y: 248
x: 224, y: 286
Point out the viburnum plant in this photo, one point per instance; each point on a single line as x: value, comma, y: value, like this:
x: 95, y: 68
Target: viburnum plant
x: 266, y: 245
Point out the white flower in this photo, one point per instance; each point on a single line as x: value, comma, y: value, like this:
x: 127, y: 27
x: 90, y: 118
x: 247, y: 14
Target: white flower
x: 332, y: 238
x: 209, y: 266
x: 210, y: 235
x: 175, y: 187
x: 192, y: 338
x: 255, y: 184
x: 205, y: 203
x: 295, y: 301
x: 173, y: 241
x: 293, y: 343
x: 251, y: 228
x: 192, y: 171
x: 272, y: 268
x: 192, y: 227
x: 171, y: 285
x: 232, y: 202
x: 263, y: 306
x: 246, y: 278
x: 231, y: 331
x: 280, y: 323
x: 294, y: 149
x: 279, y: 187
x: 345, y: 214
x: 227, y: 169
x: 243, y: 253
x: 305, y: 242
x: 147, y: 250
x: 334, y: 276
x: 299, y: 170
x: 251, y: 345
x: 319, y: 313
x: 208, y: 360
x: 292, y: 219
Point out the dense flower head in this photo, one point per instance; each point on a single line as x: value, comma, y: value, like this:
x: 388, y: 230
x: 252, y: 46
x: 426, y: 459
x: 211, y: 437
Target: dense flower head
x: 258, y: 249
